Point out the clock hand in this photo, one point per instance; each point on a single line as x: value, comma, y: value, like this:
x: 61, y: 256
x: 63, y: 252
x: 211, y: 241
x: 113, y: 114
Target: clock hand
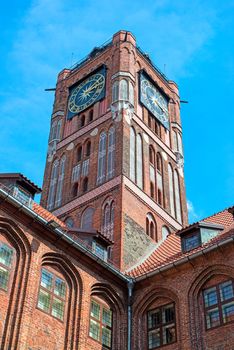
x: 94, y: 85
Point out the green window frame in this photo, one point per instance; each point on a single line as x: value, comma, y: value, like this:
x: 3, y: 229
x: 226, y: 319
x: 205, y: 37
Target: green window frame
x: 52, y: 294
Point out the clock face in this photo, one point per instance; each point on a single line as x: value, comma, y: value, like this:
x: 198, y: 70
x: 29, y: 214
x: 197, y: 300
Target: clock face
x: 153, y: 100
x: 86, y: 93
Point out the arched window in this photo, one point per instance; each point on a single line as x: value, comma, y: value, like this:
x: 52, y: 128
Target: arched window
x: 151, y: 155
x: 87, y: 218
x: 115, y: 91
x: 171, y: 190
x: 123, y: 90
x: 111, y: 153
x: 152, y: 193
x: 6, y: 258
x: 108, y: 218
x: 177, y: 197
x: 85, y: 184
x: 75, y: 189
x: 157, y: 128
x: 53, y: 131
x: 149, y: 121
x: 159, y: 179
x: 132, y: 154
x: 58, y: 134
x: 174, y: 138
x: 91, y: 115
x: 180, y: 147
x: 79, y: 153
x: 82, y: 120
x: 101, y: 159
x: 139, y: 161
x: 69, y: 222
x: 165, y: 232
x: 53, y: 183
x: 151, y: 228
x: 131, y: 93
x: 88, y: 149
x: 58, y: 199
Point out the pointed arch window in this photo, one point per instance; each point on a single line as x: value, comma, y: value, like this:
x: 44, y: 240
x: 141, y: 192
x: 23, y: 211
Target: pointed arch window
x: 87, y: 218
x: 111, y: 153
x: 82, y: 120
x: 85, y: 184
x: 165, y: 232
x: 159, y: 165
x: 91, y: 115
x: 88, y: 149
x: 101, y: 159
x: 6, y: 258
x: 151, y: 228
x: 108, y: 219
x: 177, y: 197
x: 115, y: 91
x: 58, y: 199
x: 139, y: 174
x: 152, y: 171
x: 123, y: 90
x: 132, y: 154
x: 171, y: 190
x: 53, y: 184
x: 131, y: 93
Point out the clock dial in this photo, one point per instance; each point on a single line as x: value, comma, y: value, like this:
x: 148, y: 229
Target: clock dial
x: 154, y: 101
x: 86, y: 93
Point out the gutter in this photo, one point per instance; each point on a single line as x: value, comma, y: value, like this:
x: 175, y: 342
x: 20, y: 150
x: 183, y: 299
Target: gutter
x: 184, y: 259
x: 130, y: 297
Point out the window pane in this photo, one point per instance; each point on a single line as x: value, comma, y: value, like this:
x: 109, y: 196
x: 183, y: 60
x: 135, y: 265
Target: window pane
x: 154, y: 318
x: 44, y: 300
x: 228, y: 312
x: 107, y: 317
x: 46, y: 279
x: 191, y: 242
x: 210, y: 297
x: 100, y: 251
x: 168, y: 314
x: 226, y: 290
x: 4, y: 278
x: 154, y: 338
x: 94, y: 330
x: 60, y: 288
x: 169, y: 334
x: 106, y: 337
x: 95, y: 310
x: 58, y: 308
x: 212, y: 318
x: 5, y: 255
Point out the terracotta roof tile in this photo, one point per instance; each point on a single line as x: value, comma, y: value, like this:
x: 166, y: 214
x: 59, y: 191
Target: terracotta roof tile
x: 170, y: 250
x: 38, y: 209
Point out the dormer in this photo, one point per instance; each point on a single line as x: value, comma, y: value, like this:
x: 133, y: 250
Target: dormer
x: 198, y: 234
x: 20, y: 187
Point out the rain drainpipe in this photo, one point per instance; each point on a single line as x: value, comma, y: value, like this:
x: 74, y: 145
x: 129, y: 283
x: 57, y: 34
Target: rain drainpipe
x: 130, y: 289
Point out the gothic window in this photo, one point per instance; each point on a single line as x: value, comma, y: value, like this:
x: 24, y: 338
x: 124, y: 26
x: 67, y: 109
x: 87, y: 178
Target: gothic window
x: 132, y: 154
x: 56, y: 130
x: 58, y: 199
x: 6, y: 257
x: 171, y: 190
x: 151, y: 228
x: 177, y: 196
x: 100, y: 328
x: 108, y: 219
x: 161, y: 326
x: 87, y: 218
x: 75, y: 188
x: 101, y: 159
x: 219, y: 304
x: 91, y: 115
x: 151, y: 155
x: 149, y: 121
x: 180, y: 148
x: 157, y: 128
x: 82, y: 120
x: 69, y: 222
x: 159, y: 179
x: 79, y: 153
x: 53, y: 183
x: 111, y: 153
x: 123, y: 90
x: 52, y: 294
x: 85, y: 184
x: 139, y: 167
x: 115, y: 91
x: 177, y: 142
x: 165, y: 232
x: 58, y: 134
x: 131, y: 93
x: 88, y: 149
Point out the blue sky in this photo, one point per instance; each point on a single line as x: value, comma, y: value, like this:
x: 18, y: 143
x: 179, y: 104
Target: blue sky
x: 191, y: 41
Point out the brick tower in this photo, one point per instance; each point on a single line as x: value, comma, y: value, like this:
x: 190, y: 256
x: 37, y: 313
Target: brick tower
x: 115, y: 158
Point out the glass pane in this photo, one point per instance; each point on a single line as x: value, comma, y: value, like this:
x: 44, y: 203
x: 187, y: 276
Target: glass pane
x: 210, y: 296
x: 100, y: 251
x: 60, y: 287
x: 191, y: 242
x: 168, y: 314
x: 94, y: 330
x: 154, y: 318
x: 154, y: 338
x: 4, y: 278
x: 44, y: 300
x: 228, y: 312
x: 58, y: 308
x: 46, y: 279
x: 107, y: 317
x: 5, y: 255
x: 95, y: 310
x: 226, y: 290
x: 106, y: 336
x: 169, y: 334
x: 212, y: 318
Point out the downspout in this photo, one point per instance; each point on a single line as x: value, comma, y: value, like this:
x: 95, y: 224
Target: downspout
x: 130, y: 289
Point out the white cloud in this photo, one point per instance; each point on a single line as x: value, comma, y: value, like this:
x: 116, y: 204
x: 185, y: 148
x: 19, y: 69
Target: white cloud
x: 192, y: 213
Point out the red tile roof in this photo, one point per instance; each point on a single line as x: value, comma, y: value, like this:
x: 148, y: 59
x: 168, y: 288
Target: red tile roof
x: 169, y: 251
x: 38, y: 209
